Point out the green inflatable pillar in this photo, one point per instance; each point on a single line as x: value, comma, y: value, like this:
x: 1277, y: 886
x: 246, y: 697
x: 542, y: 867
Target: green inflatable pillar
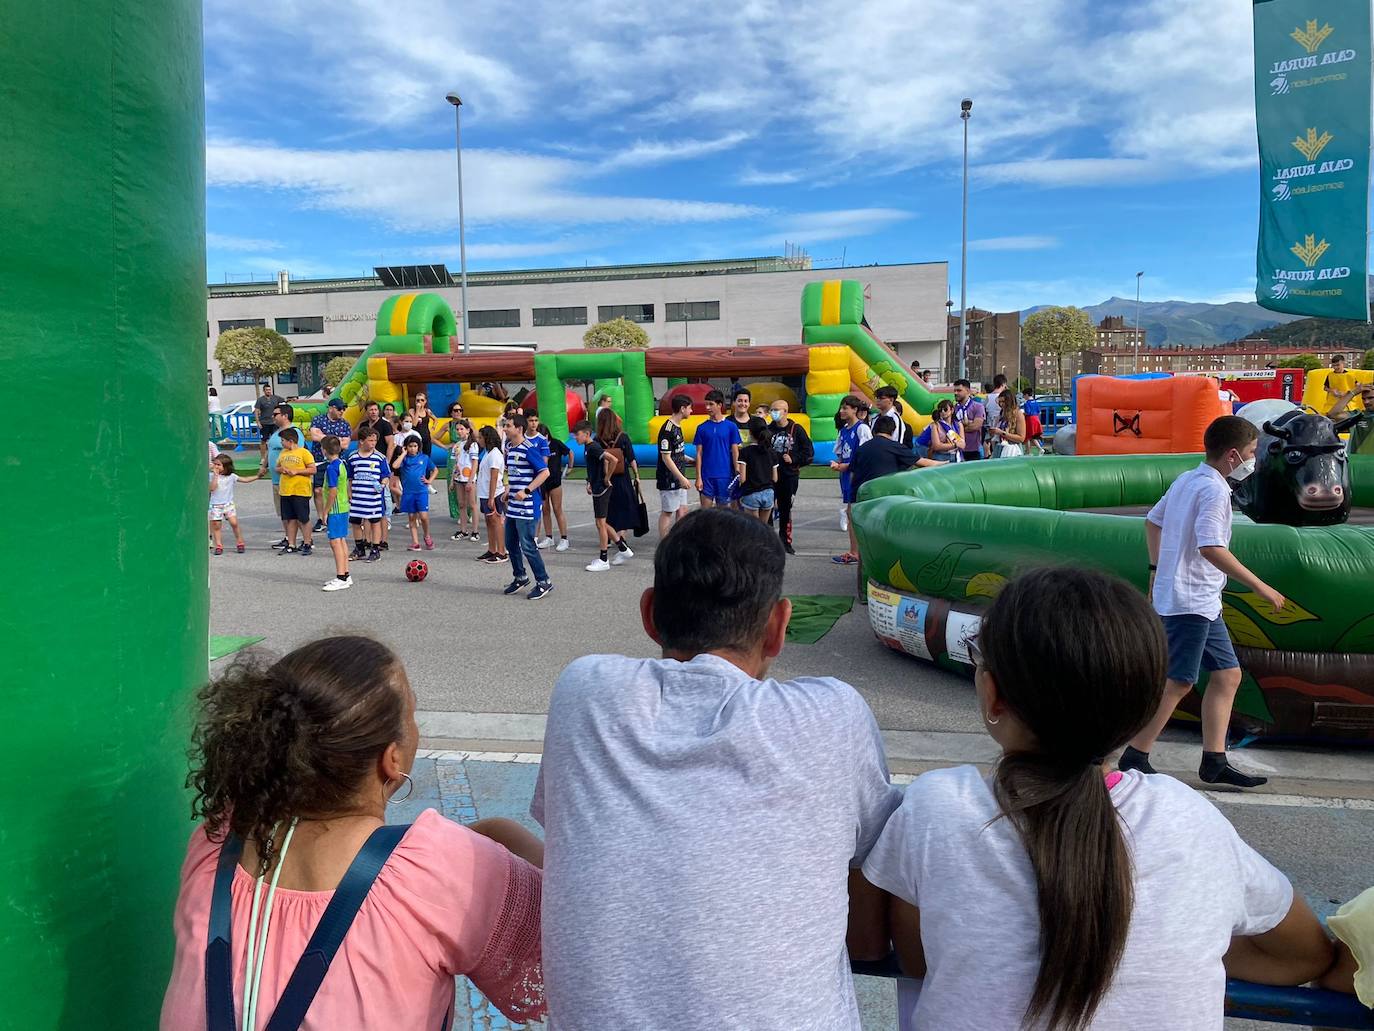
x: 102, y: 316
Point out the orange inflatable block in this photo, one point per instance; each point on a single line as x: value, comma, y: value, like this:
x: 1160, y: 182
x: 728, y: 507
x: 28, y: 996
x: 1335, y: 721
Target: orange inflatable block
x: 1146, y: 416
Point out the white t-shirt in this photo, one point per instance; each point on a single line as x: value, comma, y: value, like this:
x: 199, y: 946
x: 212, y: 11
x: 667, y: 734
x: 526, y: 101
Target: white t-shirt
x: 701, y: 826
x: 463, y: 457
x: 223, y: 494
x: 1194, y: 513
x: 492, y: 459
x: 1196, y: 884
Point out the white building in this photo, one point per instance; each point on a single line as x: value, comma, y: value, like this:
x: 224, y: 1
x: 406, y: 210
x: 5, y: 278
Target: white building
x: 693, y: 304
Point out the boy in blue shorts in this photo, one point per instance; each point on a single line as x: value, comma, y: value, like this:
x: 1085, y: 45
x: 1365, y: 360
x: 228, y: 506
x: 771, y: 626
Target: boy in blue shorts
x: 416, y: 472
x: 1188, y: 534
x: 854, y: 434
x: 336, y: 510
x: 717, y: 442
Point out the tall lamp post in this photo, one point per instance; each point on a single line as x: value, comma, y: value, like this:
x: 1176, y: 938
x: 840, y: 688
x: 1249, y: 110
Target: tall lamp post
x: 1137, y: 320
x: 965, y: 106
x: 457, y: 103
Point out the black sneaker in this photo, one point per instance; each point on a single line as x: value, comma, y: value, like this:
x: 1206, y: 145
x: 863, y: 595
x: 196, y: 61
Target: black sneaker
x: 788, y: 548
x: 288, y: 550
x: 474, y: 537
x: 359, y: 552
x: 517, y: 585
x: 373, y: 555
x: 318, y: 527
x: 495, y: 559
x: 385, y: 546
x: 459, y: 536
x: 484, y: 556
x: 280, y: 544
x: 1225, y: 773
x: 307, y: 549
x: 540, y: 589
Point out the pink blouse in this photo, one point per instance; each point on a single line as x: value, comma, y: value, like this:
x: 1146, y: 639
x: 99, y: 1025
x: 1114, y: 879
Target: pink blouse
x: 449, y: 901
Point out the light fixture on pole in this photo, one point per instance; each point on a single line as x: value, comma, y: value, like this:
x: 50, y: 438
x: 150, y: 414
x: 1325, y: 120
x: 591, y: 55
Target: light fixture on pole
x: 965, y: 106
x: 457, y: 103
x: 1137, y: 320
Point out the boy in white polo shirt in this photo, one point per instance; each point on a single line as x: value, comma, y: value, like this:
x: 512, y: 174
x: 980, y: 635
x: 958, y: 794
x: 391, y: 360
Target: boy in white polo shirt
x: 1188, y: 534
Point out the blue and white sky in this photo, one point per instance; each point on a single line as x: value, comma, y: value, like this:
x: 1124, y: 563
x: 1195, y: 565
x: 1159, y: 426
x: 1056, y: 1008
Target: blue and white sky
x: 1105, y: 139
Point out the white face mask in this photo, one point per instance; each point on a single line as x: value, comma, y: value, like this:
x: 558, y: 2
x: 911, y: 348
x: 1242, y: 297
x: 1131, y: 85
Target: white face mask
x: 1243, y: 470
x: 405, y: 426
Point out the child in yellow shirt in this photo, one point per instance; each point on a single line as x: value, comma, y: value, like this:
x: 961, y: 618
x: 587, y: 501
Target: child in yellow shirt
x: 297, y: 468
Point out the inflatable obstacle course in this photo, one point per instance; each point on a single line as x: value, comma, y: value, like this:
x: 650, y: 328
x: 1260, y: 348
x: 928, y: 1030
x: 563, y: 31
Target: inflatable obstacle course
x: 937, y: 544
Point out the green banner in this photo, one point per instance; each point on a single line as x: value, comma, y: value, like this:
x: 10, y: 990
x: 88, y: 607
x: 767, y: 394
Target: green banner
x: 1312, y: 109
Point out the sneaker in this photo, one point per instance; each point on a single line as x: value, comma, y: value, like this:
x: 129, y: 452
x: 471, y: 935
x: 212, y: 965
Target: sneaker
x: 563, y: 545
x: 475, y: 537
x: 459, y: 536
x: 429, y: 543
x: 359, y: 551
x: 413, y: 547
x: 385, y: 545
x: 516, y: 585
x: 432, y: 489
x: 627, y: 552
x: 280, y: 544
x: 484, y: 556
x: 846, y: 559
x: 338, y: 585
x: 542, y: 542
x: 219, y: 551
x: 620, y: 558
x: 307, y: 549
x: 239, y: 547
x: 1224, y: 773
x: 388, y: 526
x: 788, y: 548
x: 318, y: 527
x: 540, y: 589
x: 495, y: 559
x: 288, y: 550
x: 600, y: 565
x: 373, y: 555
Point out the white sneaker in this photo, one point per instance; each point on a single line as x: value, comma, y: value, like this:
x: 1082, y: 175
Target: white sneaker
x: 599, y: 565
x: 432, y: 489
x: 621, y: 557
x: 563, y: 544
x: 542, y: 542
x: 338, y: 585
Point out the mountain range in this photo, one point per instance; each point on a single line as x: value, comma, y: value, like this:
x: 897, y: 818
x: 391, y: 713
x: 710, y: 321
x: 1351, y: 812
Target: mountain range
x: 1184, y: 323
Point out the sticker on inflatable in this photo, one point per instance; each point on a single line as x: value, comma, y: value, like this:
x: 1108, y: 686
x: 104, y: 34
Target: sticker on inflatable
x: 959, y: 627
x: 899, y: 622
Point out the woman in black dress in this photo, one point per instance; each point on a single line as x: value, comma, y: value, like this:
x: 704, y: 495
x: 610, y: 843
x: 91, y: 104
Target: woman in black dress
x: 624, y: 508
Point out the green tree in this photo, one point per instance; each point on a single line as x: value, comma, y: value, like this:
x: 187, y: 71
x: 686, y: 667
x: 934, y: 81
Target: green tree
x: 1367, y: 361
x: 1306, y: 362
x: 1058, y: 332
x: 616, y: 335
x: 335, y: 370
x: 263, y: 352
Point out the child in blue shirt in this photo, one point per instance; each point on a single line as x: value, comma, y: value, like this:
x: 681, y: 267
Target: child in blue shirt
x: 717, y: 441
x: 416, y: 472
x: 854, y: 433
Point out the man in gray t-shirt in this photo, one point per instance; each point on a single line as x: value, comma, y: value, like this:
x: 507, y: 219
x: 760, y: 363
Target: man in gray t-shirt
x: 701, y: 820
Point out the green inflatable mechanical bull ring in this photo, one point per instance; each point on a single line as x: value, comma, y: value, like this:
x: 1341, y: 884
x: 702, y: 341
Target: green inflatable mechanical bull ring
x: 937, y: 545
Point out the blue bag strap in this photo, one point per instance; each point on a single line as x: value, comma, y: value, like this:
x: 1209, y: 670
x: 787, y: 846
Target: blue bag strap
x: 219, y: 948
x: 334, y: 924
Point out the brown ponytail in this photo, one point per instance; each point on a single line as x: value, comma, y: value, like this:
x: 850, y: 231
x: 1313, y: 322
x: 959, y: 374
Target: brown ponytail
x: 1083, y: 674
x: 294, y: 738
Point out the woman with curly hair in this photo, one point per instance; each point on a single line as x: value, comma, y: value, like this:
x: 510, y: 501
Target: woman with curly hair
x: 293, y: 765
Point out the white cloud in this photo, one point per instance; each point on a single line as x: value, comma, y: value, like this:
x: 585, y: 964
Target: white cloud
x: 812, y: 227
x: 417, y: 189
x: 658, y: 152
x: 1071, y: 172
x: 1014, y: 243
x: 448, y: 253
x: 753, y: 177
x: 226, y: 242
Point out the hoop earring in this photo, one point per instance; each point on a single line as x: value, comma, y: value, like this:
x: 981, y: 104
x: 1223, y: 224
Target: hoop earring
x: 992, y: 723
x: 410, y: 789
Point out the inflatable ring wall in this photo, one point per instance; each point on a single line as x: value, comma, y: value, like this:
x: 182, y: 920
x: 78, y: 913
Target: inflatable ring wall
x: 106, y: 617
x: 937, y: 544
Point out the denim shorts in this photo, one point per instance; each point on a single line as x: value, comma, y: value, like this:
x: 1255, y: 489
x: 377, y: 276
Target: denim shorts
x: 757, y: 501
x: 1197, y: 643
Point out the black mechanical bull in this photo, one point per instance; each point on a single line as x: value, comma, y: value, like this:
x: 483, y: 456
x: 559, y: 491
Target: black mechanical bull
x: 1301, y: 477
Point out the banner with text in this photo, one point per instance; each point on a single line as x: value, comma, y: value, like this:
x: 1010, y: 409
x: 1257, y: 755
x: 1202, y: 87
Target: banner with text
x: 1312, y: 109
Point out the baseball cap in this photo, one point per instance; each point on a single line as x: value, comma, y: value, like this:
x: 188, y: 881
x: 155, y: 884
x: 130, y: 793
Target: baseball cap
x: 337, y: 402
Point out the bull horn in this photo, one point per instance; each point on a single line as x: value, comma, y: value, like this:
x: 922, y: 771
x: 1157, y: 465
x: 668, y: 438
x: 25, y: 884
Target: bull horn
x: 1277, y: 431
x: 1348, y: 422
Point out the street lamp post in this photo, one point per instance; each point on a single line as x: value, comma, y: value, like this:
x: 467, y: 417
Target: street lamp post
x: 965, y: 106
x: 1137, y: 320
x: 457, y: 103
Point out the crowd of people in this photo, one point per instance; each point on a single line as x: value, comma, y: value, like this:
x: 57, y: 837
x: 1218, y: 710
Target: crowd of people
x: 720, y: 858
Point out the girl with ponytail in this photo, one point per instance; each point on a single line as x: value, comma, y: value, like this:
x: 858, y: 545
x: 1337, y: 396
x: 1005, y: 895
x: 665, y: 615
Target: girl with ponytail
x: 293, y: 767
x: 1052, y: 894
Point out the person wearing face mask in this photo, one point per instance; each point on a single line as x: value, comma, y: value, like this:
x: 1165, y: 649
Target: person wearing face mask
x: 1188, y: 534
x: 793, y: 449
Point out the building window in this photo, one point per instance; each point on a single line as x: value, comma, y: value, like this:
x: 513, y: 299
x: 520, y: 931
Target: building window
x: 228, y: 324
x: 289, y: 376
x: 633, y: 312
x: 497, y: 318
x: 302, y: 324
x: 239, y: 379
x: 692, y: 311
x: 560, y: 316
